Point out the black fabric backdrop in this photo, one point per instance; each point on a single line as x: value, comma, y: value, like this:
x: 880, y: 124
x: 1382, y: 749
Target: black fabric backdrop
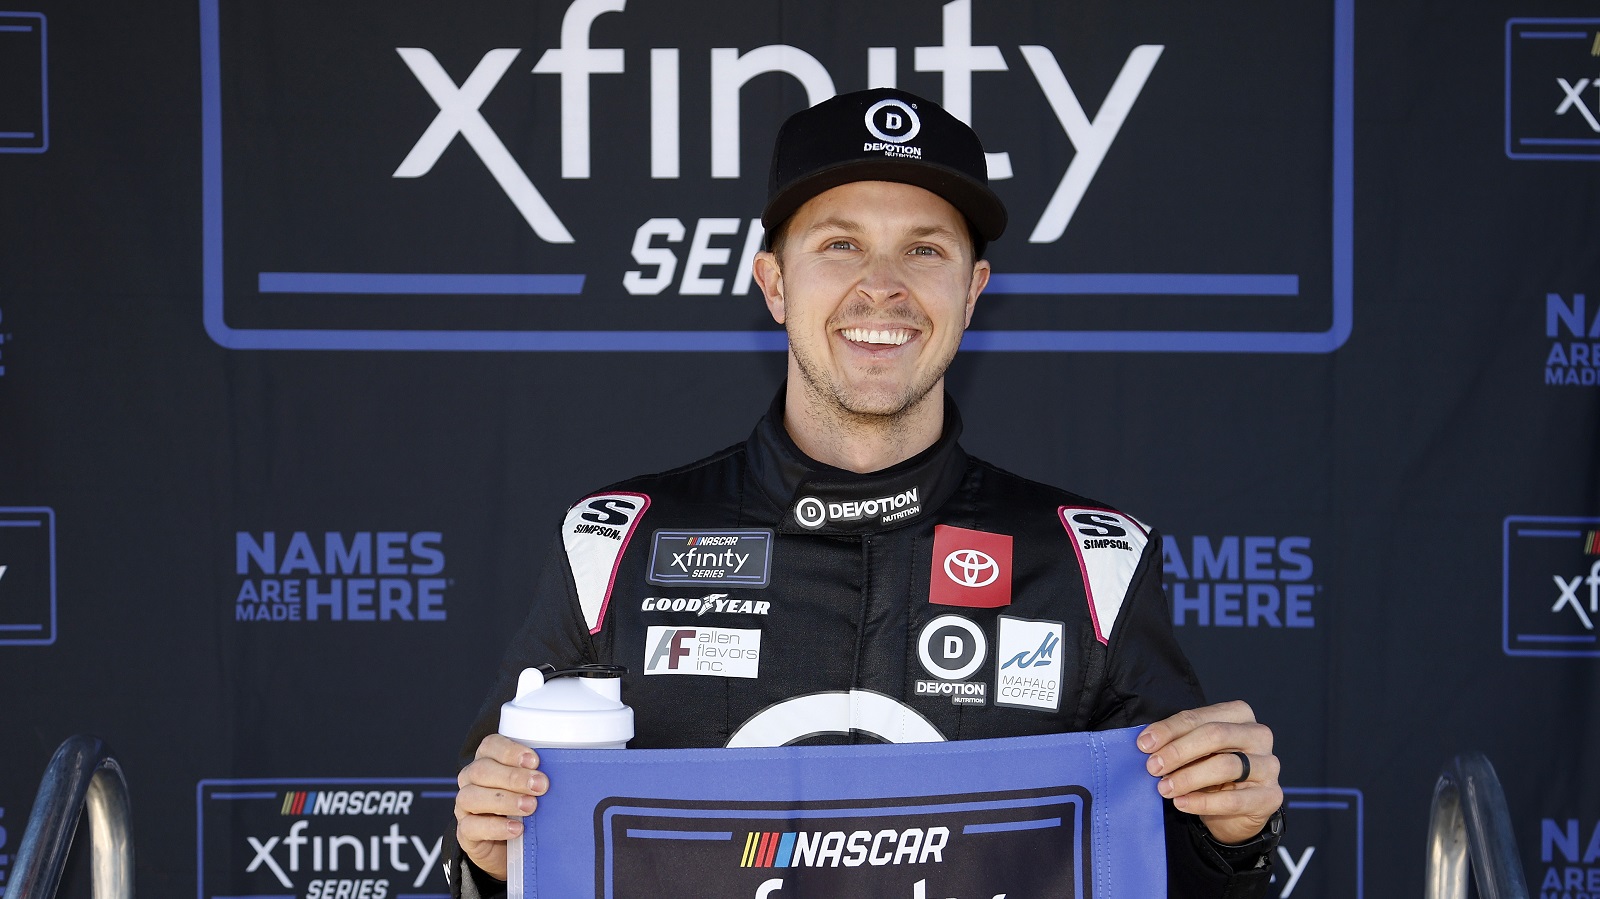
x: 1349, y: 406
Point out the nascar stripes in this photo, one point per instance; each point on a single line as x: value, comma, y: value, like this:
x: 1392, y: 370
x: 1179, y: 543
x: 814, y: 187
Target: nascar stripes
x: 830, y: 849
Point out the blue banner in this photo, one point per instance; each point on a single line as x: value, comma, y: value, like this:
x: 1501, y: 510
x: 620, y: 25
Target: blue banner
x: 1067, y: 815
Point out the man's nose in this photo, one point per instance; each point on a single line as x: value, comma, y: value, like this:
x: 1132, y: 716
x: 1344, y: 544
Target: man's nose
x: 883, y: 280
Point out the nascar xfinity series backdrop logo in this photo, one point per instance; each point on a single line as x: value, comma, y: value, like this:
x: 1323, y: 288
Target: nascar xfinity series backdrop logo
x: 27, y: 576
x: 1553, y: 89
x: 24, y: 84
x: 1550, y: 596
x: 323, y: 839
x: 587, y: 175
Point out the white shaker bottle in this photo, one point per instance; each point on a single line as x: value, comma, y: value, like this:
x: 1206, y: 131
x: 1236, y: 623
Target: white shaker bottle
x: 574, y: 708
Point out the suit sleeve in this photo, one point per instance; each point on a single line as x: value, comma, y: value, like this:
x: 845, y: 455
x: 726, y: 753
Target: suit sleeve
x: 1147, y: 678
x: 553, y: 633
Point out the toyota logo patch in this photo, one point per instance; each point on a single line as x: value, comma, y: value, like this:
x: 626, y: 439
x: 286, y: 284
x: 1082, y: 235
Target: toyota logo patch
x: 971, y: 568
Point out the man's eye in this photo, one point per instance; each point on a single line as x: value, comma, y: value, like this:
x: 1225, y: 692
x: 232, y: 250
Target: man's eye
x: 924, y: 251
x: 840, y: 244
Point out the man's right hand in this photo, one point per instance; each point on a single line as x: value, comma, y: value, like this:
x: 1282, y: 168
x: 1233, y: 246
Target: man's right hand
x: 500, y: 785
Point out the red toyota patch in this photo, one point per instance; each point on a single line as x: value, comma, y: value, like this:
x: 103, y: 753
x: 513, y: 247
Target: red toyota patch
x: 970, y: 568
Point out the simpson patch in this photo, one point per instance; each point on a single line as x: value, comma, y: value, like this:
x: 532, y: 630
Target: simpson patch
x: 1108, y: 545
x: 595, y: 533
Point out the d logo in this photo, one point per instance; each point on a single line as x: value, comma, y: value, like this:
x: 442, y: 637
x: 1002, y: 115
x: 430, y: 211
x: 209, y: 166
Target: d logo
x: 897, y: 126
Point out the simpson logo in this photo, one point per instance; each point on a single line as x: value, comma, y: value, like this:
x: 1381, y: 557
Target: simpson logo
x: 1108, y: 545
x: 713, y: 651
x: 1028, y: 664
x: 337, y: 576
x: 322, y: 839
x: 740, y: 558
x: 721, y: 603
x: 913, y: 848
x: 812, y: 513
x: 1551, y: 587
x: 970, y: 568
x: 595, y: 533
x: 27, y: 576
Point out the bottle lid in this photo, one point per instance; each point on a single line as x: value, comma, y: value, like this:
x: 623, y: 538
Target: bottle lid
x: 575, y: 708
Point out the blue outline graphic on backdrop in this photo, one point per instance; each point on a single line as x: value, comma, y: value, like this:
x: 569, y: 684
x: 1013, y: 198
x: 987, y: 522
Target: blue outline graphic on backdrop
x: 1511, y: 26
x: 1570, y: 522
x: 449, y: 791
x: 1335, y: 799
x: 44, y: 83
x: 29, y: 517
x: 1343, y: 190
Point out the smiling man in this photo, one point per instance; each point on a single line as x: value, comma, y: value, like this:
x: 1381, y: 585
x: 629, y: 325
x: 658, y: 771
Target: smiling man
x: 849, y: 573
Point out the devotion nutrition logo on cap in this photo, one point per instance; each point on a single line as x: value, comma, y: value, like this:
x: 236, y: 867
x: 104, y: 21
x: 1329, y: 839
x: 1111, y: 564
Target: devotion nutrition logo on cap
x: 881, y: 135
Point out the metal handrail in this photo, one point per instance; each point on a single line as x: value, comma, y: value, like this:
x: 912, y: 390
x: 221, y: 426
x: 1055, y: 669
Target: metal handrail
x: 81, y: 775
x: 1470, y: 822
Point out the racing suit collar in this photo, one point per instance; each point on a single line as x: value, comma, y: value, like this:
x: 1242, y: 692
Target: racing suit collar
x: 820, y: 499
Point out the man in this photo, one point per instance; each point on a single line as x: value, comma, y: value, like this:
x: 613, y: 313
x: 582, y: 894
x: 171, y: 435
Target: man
x: 867, y: 551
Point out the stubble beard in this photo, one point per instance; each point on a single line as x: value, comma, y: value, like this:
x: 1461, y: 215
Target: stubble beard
x: 863, y: 409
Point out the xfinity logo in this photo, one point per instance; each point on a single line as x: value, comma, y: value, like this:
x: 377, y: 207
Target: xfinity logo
x: 554, y: 121
x: 1569, y: 595
x: 576, y: 63
x: 1551, y: 591
x: 740, y: 557
x: 321, y: 838
x: 27, y: 576
x: 813, y: 513
x: 1552, y: 91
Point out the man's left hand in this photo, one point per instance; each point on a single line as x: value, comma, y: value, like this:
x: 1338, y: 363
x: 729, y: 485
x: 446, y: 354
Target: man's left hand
x: 1196, y: 753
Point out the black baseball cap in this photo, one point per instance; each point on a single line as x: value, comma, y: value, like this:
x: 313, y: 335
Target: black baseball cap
x: 884, y: 134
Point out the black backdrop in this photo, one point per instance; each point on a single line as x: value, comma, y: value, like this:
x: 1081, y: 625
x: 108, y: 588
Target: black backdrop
x: 1327, y: 312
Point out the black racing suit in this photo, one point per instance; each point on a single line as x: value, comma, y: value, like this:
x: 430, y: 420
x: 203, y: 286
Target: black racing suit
x: 734, y: 586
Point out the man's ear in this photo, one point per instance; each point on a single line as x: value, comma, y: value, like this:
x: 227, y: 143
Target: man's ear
x: 770, y: 276
x: 980, y: 279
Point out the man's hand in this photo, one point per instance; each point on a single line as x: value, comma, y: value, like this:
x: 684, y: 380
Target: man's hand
x: 500, y: 785
x: 1195, y: 753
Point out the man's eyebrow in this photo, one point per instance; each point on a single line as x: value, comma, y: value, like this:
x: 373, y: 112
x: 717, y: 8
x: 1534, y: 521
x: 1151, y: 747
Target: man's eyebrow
x: 934, y: 231
x: 835, y: 224
x: 847, y: 225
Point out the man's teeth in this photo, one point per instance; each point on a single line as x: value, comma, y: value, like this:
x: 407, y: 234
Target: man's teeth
x: 865, y: 335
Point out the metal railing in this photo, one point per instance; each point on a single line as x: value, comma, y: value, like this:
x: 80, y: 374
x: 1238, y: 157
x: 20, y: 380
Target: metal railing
x: 82, y: 775
x: 1470, y: 823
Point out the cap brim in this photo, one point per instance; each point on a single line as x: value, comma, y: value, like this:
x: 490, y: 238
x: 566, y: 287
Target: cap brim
x: 971, y: 198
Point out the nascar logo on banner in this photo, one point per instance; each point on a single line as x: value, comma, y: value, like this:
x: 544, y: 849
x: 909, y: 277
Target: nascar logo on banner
x: 1065, y: 815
